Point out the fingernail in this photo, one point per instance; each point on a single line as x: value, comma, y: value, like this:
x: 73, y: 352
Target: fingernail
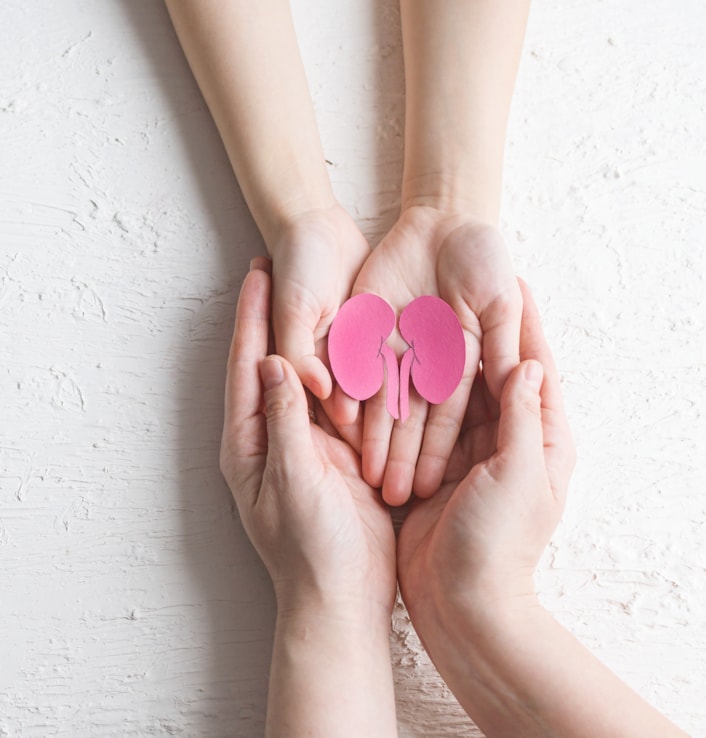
x: 252, y: 264
x: 534, y: 374
x: 271, y: 373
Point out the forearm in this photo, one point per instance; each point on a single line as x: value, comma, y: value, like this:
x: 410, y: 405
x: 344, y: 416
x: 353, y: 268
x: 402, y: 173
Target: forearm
x: 522, y: 673
x: 461, y: 59
x: 331, y: 677
x: 245, y: 58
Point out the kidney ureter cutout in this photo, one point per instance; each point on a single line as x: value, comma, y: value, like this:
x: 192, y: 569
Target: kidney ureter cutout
x: 360, y: 357
x: 437, y: 352
x: 357, y: 350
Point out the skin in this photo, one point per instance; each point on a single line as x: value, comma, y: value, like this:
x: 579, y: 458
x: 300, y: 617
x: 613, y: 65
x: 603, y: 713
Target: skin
x: 461, y: 60
x: 245, y: 58
x: 324, y: 535
x: 305, y: 498
x: 466, y: 559
x: 460, y: 63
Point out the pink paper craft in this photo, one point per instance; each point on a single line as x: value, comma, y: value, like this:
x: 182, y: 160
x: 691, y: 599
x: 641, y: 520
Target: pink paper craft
x: 437, y: 352
x: 358, y: 352
x: 360, y: 357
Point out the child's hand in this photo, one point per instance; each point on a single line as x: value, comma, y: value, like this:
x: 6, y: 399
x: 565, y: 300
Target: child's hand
x: 323, y: 533
x: 315, y: 259
x: 466, y: 263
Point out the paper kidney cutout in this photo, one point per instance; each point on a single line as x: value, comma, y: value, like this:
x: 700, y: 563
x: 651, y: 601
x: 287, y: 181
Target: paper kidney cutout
x: 437, y: 352
x: 357, y: 350
x: 360, y: 357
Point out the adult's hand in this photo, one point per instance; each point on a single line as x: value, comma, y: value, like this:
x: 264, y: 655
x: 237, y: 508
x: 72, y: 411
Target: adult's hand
x: 324, y: 535
x: 478, y: 540
x: 466, y: 559
x: 321, y: 530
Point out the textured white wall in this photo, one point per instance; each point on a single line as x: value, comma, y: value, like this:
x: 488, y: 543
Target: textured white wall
x: 131, y: 603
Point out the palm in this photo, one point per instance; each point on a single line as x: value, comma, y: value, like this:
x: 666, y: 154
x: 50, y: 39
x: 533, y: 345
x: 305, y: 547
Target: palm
x: 465, y: 263
x: 430, y: 537
x: 314, y: 265
x: 338, y: 519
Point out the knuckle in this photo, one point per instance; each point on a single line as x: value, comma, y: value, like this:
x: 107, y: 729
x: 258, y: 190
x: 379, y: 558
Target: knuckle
x: 279, y: 406
x: 531, y: 405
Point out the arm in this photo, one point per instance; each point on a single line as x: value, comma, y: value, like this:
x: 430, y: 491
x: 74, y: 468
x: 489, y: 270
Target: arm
x: 466, y: 562
x: 331, y: 676
x: 245, y: 58
x: 461, y: 59
x: 517, y: 671
x: 324, y: 536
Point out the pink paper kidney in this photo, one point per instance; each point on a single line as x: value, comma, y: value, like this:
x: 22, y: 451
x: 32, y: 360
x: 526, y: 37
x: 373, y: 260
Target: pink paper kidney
x: 437, y: 355
x: 357, y: 350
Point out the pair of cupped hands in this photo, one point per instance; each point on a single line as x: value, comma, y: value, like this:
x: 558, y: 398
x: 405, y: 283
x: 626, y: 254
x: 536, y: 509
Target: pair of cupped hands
x: 489, y: 467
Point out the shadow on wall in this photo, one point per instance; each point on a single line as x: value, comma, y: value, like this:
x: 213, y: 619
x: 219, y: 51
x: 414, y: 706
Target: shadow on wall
x: 233, y: 618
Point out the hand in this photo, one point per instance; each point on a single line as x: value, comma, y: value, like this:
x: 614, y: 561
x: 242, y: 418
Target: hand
x: 466, y: 559
x: 465, y: 262
x: 315, y: 259
x: 324, y: 535
x: 477, y: 542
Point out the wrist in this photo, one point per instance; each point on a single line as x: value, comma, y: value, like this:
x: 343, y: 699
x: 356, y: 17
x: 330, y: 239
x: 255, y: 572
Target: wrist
x: 475, y: 646
x: 298, y: 608
x: 451, y: 193
x: 473, y: 612
x: 331, y: 674
x: 280, y: 218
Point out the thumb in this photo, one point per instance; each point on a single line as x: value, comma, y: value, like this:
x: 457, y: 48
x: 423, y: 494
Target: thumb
x: 288, y: 427
x: 295, y: 340
x: 520, y: 434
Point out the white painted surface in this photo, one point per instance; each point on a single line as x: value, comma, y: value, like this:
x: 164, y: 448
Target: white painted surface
x: 131, y: 603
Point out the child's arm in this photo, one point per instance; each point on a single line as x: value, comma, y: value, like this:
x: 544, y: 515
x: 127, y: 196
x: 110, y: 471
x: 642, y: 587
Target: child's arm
x: 460, y: 61
x: 245, y: 58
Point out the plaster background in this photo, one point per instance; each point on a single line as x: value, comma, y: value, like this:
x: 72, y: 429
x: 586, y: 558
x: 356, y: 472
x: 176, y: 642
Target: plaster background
x: 131, y: 603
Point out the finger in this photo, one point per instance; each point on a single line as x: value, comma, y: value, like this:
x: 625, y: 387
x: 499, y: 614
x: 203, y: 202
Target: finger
x: 405, y: 443
x: 446, y: 420
x: 377, y: 429
x: 261, y: 263
x: 350, y: 430
x: 560, y: 454
x: 520, y: 434
x: 289, y: 444
x: 344, y: 408
x: 442, y: 429
x: 294, y: 329
x: 244, y: 443
x: 500, y: 322
x: 533, y: 345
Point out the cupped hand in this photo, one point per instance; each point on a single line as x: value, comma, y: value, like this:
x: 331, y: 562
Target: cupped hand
x: 324, y: 535
x: 478, y: 540
x: 315, y: 258
x: 466, y: 263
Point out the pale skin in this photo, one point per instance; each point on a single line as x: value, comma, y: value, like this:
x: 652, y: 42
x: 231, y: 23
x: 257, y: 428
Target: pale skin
x: 461, y: 61
x: 465, y: 557
x: 460, y: 64
x: 324, y: 535
x: 306, y: 498
x: 245, y: 58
